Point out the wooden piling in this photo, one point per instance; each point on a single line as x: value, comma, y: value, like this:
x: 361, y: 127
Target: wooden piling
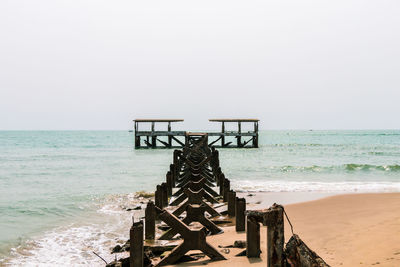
x: 240, y: 209
x: 275, y: 236
x: 136, y: 245
x: 226, y: 189
x: 164, y: 195
x: 221, y: 184
x: 253, y: 238
x: 231, y: 203
x: 169, y: 183
x: 158, y: 197
x: 150, y: 220
x: 173, y: 174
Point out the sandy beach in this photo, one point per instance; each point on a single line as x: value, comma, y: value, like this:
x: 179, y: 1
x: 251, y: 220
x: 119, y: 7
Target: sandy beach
x: 345, y: 230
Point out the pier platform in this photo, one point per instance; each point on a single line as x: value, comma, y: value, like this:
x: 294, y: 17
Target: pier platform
x: 153, y: 138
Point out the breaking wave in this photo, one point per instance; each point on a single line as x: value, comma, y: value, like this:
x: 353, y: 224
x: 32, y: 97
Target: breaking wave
x: 344, y: 167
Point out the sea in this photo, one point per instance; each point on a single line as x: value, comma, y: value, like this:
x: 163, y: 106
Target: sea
x: 65, y: 194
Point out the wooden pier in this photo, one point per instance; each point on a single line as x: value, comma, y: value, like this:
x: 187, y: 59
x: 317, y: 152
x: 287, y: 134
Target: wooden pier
x: 237, y: 138
x: 243, y: 139
x: 196, y: 203
x: 158, y: 139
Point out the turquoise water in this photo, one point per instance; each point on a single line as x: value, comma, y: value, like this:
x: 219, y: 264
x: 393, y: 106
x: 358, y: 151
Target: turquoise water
x: 62, y: 192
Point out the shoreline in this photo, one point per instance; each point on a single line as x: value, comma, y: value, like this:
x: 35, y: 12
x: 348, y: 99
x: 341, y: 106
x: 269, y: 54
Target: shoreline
x: 304, y: 209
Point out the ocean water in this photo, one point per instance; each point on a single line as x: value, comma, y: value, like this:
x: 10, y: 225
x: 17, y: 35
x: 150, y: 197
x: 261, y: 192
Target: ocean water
x: 64, y: 194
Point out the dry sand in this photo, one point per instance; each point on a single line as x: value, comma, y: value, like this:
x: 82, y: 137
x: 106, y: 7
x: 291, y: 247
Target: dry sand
x: 345, y: 230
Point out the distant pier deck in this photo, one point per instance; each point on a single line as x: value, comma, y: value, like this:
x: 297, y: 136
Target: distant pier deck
x: 155, y: 138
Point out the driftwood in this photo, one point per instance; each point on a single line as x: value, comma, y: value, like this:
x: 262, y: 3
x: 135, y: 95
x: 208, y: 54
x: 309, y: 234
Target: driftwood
x: 300, y: 255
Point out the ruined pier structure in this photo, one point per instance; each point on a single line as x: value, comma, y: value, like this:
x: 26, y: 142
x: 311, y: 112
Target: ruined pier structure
x: 194, y: 197
x: 166, y: 138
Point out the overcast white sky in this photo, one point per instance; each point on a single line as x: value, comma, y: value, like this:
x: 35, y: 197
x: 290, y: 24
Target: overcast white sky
x: 293, y: 64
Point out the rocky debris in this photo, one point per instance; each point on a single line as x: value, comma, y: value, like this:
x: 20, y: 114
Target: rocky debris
x: 116, y: 249
x: 225, y: 250
x: 236, y: 244
x: 124, y: 262
x: 150, y: 250
x: 251, y: 195
x: 239, y: 244
x: 138, y: 207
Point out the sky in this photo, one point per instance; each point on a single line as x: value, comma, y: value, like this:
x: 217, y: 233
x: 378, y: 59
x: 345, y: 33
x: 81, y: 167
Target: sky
x: 97, y: 65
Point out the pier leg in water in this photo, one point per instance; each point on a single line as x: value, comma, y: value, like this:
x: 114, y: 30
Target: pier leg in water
x: 136, y: 245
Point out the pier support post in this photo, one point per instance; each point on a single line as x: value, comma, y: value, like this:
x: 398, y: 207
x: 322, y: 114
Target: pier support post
x: 221, y: 184
x: 150, y: 220
x: 158, y: 197
x: 273, y: 219
x: 226, y: 189
x: 275, y: 236
x: 169, y: 183
x: 164, y: 195
x: 253, y: 238
x: 173, y: 174
x: 240, y: 209
x: 176, y: 156
x: 231, y: 203
x: 136, y: 245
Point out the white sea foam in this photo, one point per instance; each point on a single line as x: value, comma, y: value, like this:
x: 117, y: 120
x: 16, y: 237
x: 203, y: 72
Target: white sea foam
x: 73, y: 245
x: 329, y: 187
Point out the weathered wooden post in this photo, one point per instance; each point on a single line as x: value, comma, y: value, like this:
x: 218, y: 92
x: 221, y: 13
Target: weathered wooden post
x: 136, y: 245
x: 231, y: 203
x: 173, y: 174
x: 164, y: 195
x: 240, y: 209
x: 169, y: 183
x: 223, y: 134
x: 158, y: 197
x: 150, y: 220
x: 218, y: 174
x: 273, y: 219
x: 221, y: 184
x: 253, y: 238
x: 239, y: 137
x: 299, y: 254
x: 153, y: 137
x: 226, y: 187
x: 275, y: 236
x: 255, y: 138
x: 176, y: 156
x: 169, y: 134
